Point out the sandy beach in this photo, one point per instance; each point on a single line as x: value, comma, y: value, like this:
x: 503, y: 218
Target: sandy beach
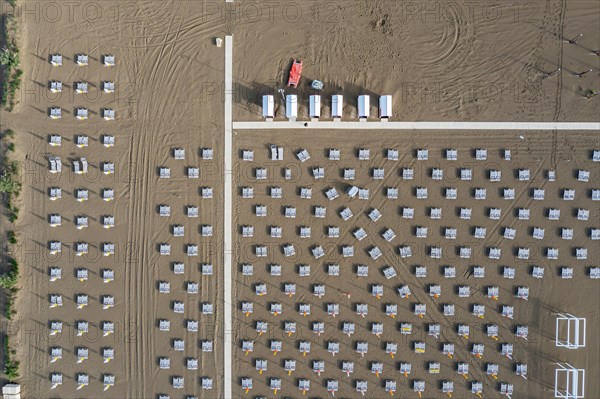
x: 440, y: 62
x: 547, y: 296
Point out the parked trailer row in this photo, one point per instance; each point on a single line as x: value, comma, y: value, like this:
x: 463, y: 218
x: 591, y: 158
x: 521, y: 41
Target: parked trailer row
x: 337, y: 105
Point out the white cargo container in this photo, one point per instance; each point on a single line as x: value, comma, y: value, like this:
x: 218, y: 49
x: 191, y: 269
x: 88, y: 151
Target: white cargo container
x: 315, y: 106
x: 291, y: 106
x: 364, y: 106
x: 337, y: 104
x: 268, y: 106
x: 385, y: 107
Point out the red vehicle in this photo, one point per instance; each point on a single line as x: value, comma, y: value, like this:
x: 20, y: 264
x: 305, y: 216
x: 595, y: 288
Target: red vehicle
x: 295, y: 73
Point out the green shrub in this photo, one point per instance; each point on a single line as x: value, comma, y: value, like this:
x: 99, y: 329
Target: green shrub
x: 9, y: 58
x: 13, y: 167
x: 4, y: 98
x: 9, y: 282
x: 13, y: 211
x: 17, y: 75
x: 11, y: 369
x: 10, y: 147
x: 14, y: 215
x: 8, y: 184
x: 8, y: 308
x: 12, y: 238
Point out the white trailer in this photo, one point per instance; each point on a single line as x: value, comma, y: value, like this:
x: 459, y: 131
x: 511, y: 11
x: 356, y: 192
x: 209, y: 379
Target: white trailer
x: 385, y: 107
x: 315, y: 106
x: 337, y: 105
x: 364, y: 106
x: 268, y: 107
x: 291, y: 107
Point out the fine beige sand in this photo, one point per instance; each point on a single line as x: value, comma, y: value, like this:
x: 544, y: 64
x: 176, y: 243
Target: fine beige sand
x: 565, y: 153
x: 164, y: 59
x: 440, y: 62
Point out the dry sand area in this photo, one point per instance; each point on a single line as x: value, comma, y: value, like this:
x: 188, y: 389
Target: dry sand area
x: 451, y: 60
x: 461, y: 61
x: 164, y: 58
x: 537, y: 152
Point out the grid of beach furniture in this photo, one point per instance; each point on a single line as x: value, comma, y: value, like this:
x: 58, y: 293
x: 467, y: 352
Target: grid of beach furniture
x: 302, y: 322
x: 191, y: 323
x: 68, y: 337
x: 81, y: 87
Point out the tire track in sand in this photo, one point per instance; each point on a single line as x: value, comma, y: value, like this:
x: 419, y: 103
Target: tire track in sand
x: 558, y: 104
x: 152, y: 116
x: 137, y: 280
x: 133, y: 67
x: 148, y: 342
x: 157, y: 91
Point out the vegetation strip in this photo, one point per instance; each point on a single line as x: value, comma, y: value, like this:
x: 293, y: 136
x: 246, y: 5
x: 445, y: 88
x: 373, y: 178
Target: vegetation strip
x: 10, y: 188
x: 10, y: 71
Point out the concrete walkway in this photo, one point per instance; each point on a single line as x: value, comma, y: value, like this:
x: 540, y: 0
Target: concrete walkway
x: 356, y: 125
x: 227, y: 212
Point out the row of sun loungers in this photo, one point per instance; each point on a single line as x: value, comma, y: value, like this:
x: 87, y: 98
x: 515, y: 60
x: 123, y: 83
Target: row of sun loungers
x: 82, y: 301
x: 82, y: 113
x: 206, y: 154
x: 348, y: 251
x: 82, y: 354
x: 420, y: 310
x: 404, y: 291
x: 418, y: 386
x: 81, y: 87
x: 478, y: 193
x: 81, y: 274
x: 81, y: 194
x: 82, y: 380
x: 81, y: 59
x: 361, y: 386
x: 206, y: 383
x: 362, y: 271
x: 81, y: 141
x: 364, y: 154
x: 434, y: 213
x: 81, y: 221
x: 108, y: 380
x: 82, y: 327
x: 81, y: 248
